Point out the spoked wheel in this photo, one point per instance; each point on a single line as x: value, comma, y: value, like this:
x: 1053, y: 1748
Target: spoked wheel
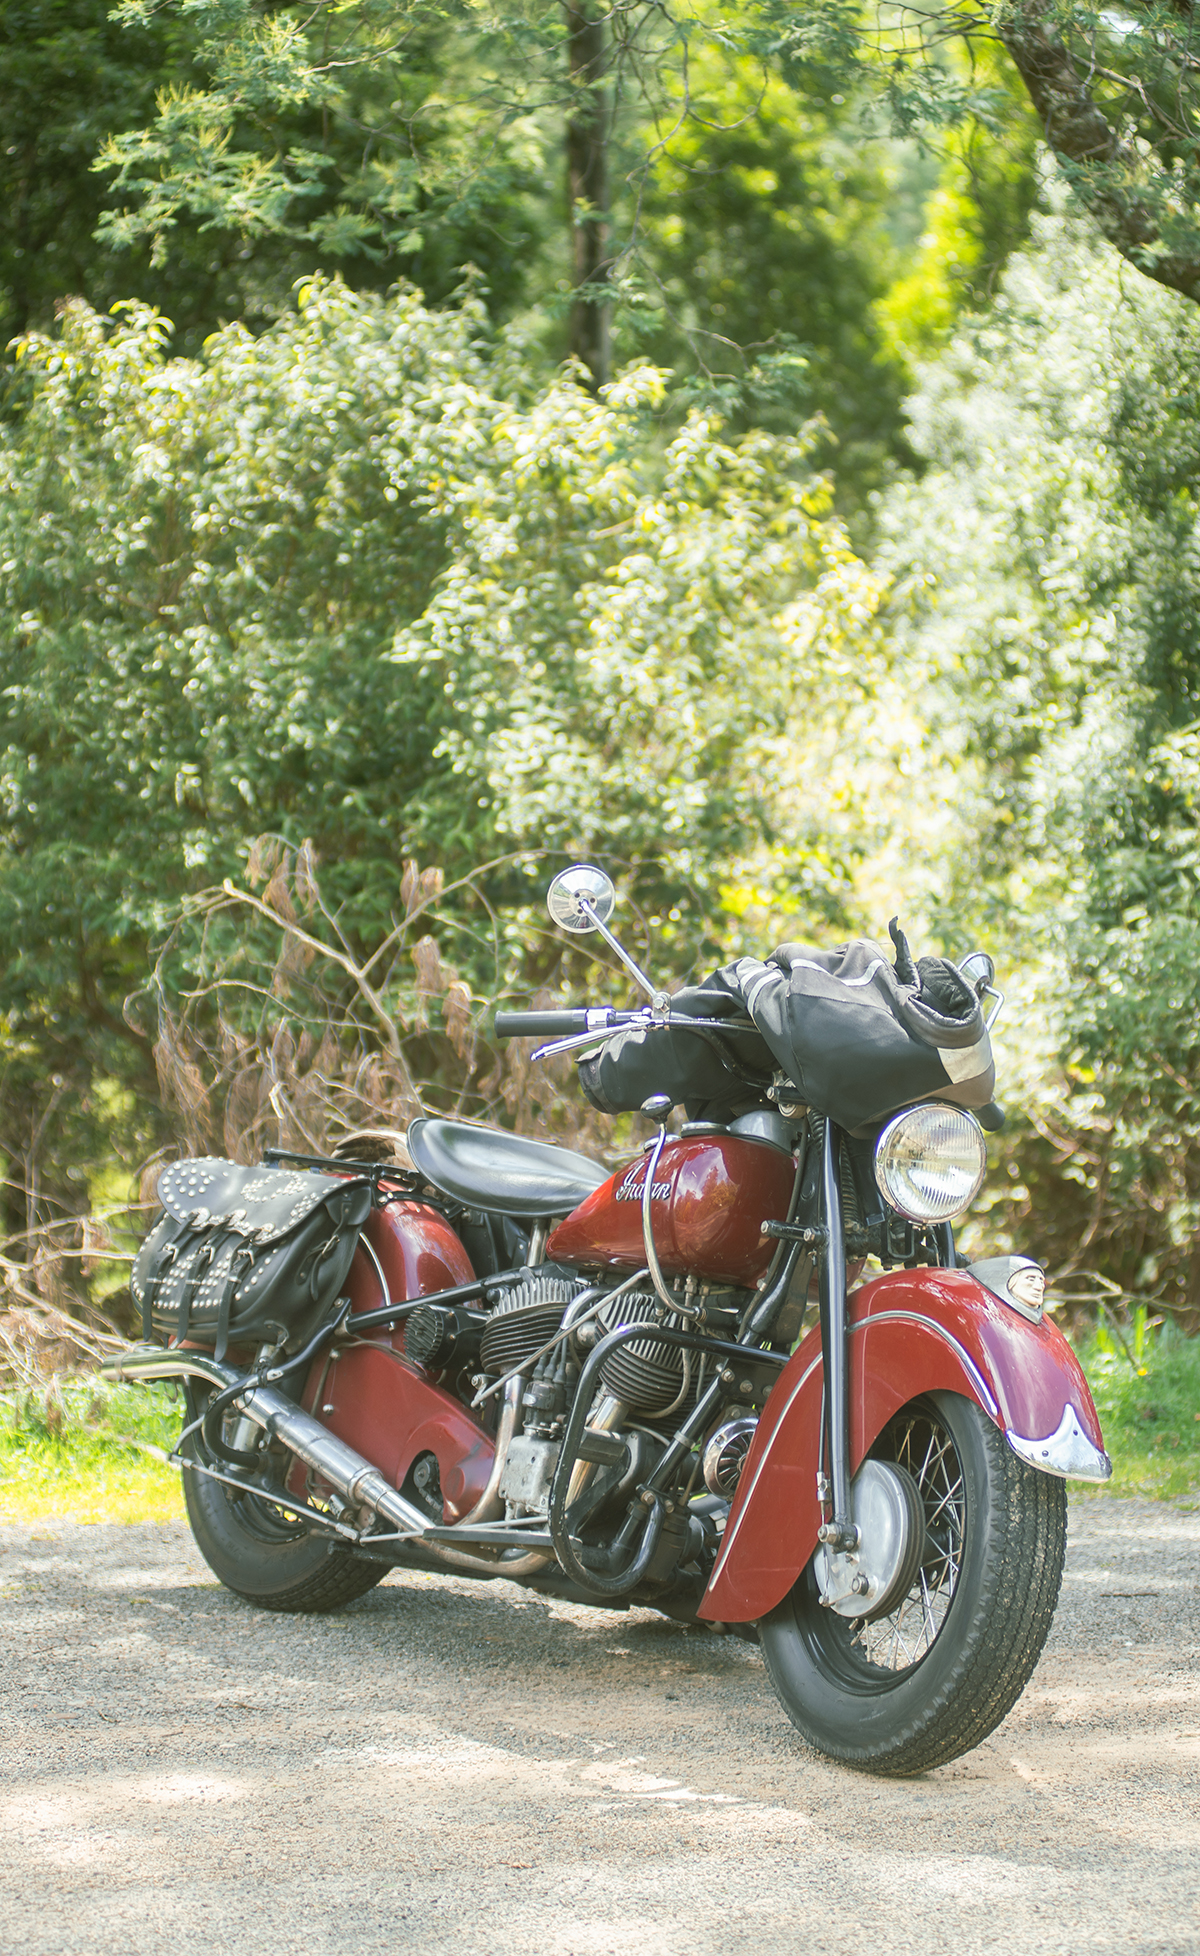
x: 263, y: 1553
x: 923, y: 1684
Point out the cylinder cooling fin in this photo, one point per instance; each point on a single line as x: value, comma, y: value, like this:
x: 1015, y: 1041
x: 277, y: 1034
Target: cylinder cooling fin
x: 648, y: 1374
x: 525, y: 1318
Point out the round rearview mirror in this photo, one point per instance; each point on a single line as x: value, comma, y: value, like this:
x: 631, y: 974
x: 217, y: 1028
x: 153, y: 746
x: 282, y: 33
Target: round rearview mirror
x: 979, y: 971
x: 581, y: 897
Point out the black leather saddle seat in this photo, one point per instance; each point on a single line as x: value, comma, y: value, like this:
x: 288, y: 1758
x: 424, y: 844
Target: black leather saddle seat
x: 485, y: 1168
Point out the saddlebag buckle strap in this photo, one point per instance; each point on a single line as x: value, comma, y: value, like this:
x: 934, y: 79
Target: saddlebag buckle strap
x: 243, y: 1255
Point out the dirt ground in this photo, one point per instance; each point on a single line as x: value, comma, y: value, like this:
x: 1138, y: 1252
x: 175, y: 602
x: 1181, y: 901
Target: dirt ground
x: 457, y: 1766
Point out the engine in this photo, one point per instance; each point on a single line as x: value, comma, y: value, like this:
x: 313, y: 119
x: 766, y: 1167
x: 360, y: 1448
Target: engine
x: 652, y: 1377
x: 646, y: 1383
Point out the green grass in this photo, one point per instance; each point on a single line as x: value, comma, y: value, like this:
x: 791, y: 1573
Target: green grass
x: 1146, y: 1384
x: 76, y: 1450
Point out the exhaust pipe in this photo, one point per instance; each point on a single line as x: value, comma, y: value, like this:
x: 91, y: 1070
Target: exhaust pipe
x: 358, y: 1483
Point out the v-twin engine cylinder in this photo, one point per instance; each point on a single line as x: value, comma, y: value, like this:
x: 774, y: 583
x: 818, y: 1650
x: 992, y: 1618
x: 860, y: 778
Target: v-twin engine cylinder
x: 527, y: 1316
x: 650, y: 1375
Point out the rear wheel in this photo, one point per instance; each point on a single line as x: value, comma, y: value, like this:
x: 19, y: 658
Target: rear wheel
x: 914, y: 1689
x: 263, y: 1553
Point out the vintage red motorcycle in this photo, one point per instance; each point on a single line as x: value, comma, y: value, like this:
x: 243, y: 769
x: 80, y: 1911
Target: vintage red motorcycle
x: 497, y: 1358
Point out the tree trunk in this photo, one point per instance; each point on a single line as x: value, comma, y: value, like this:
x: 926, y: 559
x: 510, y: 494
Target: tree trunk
x: 587, y: 184
x: 1105, y: 165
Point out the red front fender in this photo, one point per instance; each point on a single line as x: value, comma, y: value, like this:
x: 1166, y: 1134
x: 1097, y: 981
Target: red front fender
x: 912, y: 1331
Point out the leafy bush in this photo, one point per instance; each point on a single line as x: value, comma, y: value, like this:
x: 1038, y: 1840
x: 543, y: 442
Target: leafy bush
x: 1047, y: 573
x: 371, y: 586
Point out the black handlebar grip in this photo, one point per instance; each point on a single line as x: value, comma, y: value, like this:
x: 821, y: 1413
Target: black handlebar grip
x: 540, y: 1025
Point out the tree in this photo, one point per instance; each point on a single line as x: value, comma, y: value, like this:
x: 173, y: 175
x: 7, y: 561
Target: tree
x: 766, y: 251
x: 367, y: 582
x: 68, y: 77
x: 72, y: 77
x: 1117, y: 94
x: 1047, y: 585
x: 448, y: 106
x: 456, y: 94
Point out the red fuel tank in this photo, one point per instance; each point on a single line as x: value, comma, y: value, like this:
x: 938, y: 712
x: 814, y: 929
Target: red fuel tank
x: 711, y: 1195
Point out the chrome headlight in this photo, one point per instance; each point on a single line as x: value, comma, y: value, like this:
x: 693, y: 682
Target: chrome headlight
x: 930, y: 1162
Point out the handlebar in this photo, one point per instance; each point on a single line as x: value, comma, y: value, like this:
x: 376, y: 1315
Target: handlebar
x: 556, y: 1025
x: 539, y: 1025
x: 692, y: 1005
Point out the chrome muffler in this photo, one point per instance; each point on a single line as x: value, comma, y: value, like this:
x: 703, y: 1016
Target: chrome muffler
x: 358, y: 1483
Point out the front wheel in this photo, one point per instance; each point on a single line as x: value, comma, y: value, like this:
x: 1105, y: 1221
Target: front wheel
x: 914, y: 1689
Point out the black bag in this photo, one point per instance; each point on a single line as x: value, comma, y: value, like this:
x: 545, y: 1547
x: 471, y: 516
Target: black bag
x: 716, y: 1076
x: 855, y: 1036
x: 245, y: 1255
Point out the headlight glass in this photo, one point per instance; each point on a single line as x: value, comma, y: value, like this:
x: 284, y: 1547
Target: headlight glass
x: 930, y: 1162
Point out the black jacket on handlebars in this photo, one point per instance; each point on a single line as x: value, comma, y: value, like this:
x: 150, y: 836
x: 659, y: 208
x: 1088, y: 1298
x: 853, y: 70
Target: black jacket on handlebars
x: 854, y: 1035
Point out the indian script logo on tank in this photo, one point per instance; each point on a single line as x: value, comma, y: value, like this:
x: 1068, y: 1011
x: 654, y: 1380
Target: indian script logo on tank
x: 630, y: 1190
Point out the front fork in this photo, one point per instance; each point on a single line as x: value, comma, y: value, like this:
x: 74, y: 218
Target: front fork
x: 839, y: 1532
x: 833, y: 1482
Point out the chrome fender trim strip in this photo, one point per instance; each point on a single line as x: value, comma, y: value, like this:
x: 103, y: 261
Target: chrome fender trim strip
x: 969, y: 1366
x: 1067, y: 1452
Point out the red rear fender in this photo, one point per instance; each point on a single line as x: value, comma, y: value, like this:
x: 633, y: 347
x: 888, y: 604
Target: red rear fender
x: 371, y: 1396
x: 912, y: 1332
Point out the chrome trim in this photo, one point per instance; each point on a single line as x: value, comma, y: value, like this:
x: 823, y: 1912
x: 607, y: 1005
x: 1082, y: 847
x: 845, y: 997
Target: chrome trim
x: 601, y: 924
x: 733, y: 1430
x: 730, y: 1535
x: 931, y: 1324
x: 655, y: 1269
x: 385, y: 1294
x: 1067, y: 1453
x: 489, y: 1506
x: 607, y: 1417
x: 160, y: 1362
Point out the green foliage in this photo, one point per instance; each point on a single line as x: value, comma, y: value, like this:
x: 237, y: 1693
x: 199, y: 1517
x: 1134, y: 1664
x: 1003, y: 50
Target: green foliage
x: 90, y: 1451
x: 977, y: 216
x: 68, y: 75
x: 448, y: 104
x: 75, y: 79
x: 363, y: 582
x: 1038, y: 567
x: 1047, y: 564
x: 1146, y: 1385
x: 764, y: 233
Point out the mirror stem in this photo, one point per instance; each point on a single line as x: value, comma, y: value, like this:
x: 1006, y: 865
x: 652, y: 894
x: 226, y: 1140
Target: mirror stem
x: 657, y: 998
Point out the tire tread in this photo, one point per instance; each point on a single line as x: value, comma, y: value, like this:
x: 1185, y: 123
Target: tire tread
x: 343, y: 1579
x: 1010, y: 1618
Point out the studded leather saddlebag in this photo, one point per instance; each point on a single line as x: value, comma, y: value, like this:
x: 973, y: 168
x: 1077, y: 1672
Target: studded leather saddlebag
x: 246, y: 1255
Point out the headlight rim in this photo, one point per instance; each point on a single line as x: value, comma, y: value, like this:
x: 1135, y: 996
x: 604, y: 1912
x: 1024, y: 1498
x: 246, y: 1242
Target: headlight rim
x: 886, y: 1136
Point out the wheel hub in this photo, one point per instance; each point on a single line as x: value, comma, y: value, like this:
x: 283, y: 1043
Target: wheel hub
x: 868, y: 1580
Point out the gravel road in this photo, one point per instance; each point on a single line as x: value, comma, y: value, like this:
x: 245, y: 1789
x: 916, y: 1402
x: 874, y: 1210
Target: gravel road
x: 462, y: 1767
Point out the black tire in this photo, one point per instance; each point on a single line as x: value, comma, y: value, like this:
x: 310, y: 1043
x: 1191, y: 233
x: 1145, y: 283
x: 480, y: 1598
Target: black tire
x: 922, y: 1686
x: 265, y: 1555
